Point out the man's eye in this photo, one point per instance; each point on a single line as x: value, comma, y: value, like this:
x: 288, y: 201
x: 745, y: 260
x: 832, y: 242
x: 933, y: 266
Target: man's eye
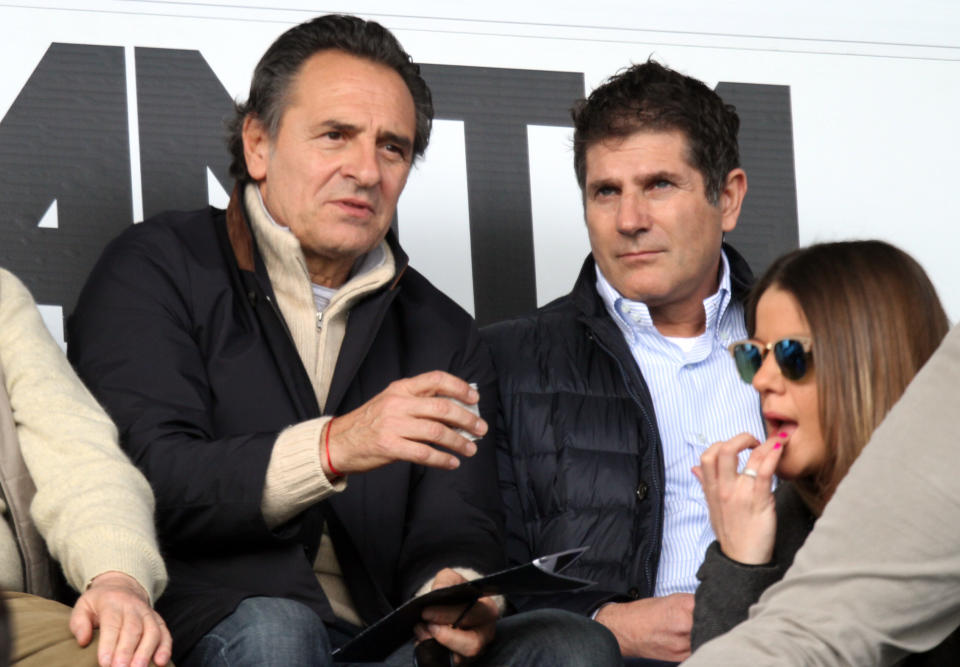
x: 393, y: 148
x: 662, y: 183
x: 334, y: 135
x: 605, y: 191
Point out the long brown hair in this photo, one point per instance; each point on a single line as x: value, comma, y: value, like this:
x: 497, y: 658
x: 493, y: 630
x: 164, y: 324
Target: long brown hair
x: 875, y: 319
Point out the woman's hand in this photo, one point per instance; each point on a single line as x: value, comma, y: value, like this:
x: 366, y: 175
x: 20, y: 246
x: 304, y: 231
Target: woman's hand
x: 741, y: 504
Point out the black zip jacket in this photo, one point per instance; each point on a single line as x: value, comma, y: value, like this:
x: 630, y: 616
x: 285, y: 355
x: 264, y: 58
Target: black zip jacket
x: 177, y: 334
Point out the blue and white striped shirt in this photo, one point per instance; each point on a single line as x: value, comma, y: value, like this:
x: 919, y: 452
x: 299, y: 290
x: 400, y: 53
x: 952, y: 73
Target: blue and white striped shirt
x: 699, y: 399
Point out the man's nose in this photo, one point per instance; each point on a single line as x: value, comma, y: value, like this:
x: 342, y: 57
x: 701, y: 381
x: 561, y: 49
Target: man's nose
x: 361, y: 164
x: 633, y: 214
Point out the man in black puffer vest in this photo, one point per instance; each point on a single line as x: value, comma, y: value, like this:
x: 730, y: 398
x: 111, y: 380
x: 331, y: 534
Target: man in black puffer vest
x: 610, y: 394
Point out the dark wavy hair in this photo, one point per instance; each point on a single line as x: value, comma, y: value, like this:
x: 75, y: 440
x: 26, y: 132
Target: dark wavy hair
x: 650, y: 96
x: 875, y: 319
x: 279, y: 66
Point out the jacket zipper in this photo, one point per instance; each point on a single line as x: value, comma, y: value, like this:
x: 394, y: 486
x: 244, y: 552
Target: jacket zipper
x: 651, y: 572
x: 283, y: 322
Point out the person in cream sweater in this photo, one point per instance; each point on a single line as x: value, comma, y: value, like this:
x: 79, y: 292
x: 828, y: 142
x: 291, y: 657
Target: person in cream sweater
x: 91, y: 509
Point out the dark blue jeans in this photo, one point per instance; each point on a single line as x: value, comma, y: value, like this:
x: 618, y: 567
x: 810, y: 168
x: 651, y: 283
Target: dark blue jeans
x: 275, y: 631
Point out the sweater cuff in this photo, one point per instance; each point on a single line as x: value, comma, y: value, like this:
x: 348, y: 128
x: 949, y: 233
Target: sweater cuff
x: 295, y: 478
x: 135, y: 556
x: 723, y: 560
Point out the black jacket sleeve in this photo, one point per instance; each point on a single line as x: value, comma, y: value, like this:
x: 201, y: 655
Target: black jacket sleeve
x: 135, y: 340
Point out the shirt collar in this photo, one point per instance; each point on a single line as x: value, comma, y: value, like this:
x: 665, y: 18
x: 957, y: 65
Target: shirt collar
x: 633, y: 317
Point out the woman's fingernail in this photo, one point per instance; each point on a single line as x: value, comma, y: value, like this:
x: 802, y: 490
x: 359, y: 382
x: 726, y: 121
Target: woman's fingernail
x: 777, y: 446
x: 783, y: 434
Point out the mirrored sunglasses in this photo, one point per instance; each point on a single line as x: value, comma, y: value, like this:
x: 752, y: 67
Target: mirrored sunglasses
x: 794, y: 357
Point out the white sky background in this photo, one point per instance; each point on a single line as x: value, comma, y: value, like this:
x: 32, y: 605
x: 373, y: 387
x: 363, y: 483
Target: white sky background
x: 875, y: 90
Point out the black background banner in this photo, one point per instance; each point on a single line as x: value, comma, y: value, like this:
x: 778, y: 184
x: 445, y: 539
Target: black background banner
x: 66, y: 138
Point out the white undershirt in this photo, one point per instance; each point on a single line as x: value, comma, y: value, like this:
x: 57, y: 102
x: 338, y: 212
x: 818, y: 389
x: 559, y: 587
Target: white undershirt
x: 686, y: 344
x: 322, y: 296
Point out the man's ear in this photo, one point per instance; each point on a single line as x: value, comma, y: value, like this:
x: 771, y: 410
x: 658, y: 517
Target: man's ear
x: 731, y: 198
x: 256, y: 147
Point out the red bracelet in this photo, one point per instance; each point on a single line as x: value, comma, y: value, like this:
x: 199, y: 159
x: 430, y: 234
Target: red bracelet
x: 326, y: 446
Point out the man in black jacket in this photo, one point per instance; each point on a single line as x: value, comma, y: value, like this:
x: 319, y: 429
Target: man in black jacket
x: 296, y: 394
x: 610, y: 394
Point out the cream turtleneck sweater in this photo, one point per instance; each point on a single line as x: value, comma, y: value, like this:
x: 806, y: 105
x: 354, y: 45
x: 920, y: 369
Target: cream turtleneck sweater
x: 295, y: 478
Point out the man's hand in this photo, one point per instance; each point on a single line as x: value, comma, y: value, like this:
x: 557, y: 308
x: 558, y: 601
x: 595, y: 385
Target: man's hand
x: 657, y: 628
x: 131, y: 632
x: 473, y: 631
x: 742, y: 508
x: 396, y: 424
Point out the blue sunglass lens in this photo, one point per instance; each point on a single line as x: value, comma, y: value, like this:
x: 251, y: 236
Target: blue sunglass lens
x: 748, y: 359
x: 791, y: 358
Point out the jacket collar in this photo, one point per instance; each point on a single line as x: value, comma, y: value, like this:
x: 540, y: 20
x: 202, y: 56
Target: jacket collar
x: 741, y: 277
x: 238, y: 230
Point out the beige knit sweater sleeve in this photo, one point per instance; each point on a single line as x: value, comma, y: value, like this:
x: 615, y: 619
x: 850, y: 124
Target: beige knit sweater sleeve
x: 295, y: 479
x: 92, y: 507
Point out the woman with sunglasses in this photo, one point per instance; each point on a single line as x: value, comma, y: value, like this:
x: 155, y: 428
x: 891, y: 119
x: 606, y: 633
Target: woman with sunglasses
x: 837, y: 331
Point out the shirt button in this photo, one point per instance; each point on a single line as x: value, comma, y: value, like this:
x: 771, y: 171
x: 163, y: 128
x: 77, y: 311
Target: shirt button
x: 634, y: 593
x: 642, y: 491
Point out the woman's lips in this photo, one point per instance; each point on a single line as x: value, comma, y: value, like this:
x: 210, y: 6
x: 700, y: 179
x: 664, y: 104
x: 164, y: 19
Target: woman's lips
x: 777, y: 424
